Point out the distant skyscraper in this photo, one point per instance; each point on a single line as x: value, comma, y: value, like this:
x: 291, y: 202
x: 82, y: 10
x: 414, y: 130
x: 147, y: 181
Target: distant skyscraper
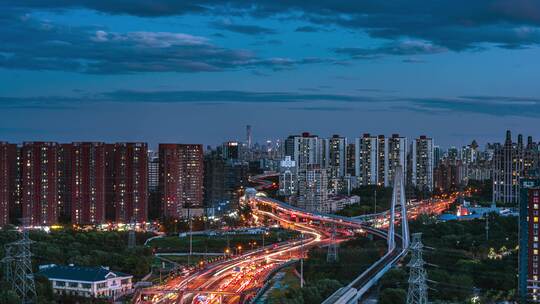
x: 313, y: 188
x: 531, y: 159
x: 366, y: 159
x: 507, y: 169
x: 248, y: 136
x: 231, y: 150
x: 437, y: 156
x: 39, y: 183
x: 87, y: 183
x: 181, y: 178
x: 422, y: 163
x: 8, y: 179
x: 127, y: 170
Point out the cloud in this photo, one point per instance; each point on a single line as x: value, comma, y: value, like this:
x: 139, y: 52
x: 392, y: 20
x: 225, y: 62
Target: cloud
x: 324, y: 108
x: 490, y: 105
x: 33, y: 44
x: 199, y: 97
x: 413, y: 60
x: 225, y: 96
x: 486, y: 105
x: 308, y: 29
x: 454, y: 24
x: 400, y: 48
x: 246, y: 29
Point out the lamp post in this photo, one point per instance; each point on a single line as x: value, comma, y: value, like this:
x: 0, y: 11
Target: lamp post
x: 302, y: 260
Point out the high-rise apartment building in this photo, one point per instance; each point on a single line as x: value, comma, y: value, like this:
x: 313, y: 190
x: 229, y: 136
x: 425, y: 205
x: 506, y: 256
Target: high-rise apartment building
x: 181, y: 178
x: 336, y: 152
x: 8, y: 180
x: 422, y: 163
x: 153, y: 171
x: 396, y: 158
x: 449, y: 175
x: 127, y: 185
x: 287, y: 177
x: 87, y: 179
x: 366, y: 159
x: 39, y: 183
x: 351, y: 159
x: 378, y: 157
x: 381, y: 167
x: 64, y: 182
x: 313, y: 189
x: 224, y: 180
x: 305, y: 149
x: 529, y: 243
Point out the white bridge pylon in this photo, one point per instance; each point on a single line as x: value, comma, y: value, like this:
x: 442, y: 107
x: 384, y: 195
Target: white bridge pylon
x: 398, y: 199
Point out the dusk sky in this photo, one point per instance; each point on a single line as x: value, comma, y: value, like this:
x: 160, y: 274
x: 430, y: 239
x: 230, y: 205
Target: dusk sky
x: 199, y: 71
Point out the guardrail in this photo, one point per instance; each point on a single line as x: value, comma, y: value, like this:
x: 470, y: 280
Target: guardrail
x: 267, y: 284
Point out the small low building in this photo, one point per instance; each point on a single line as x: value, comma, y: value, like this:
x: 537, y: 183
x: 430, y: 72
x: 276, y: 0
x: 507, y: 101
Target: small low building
x: 339, y: 202
x: 90, y: 282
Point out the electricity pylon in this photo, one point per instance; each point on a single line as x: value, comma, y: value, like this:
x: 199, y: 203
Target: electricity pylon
x: 18, y: 266
x: 417, y: 293
x: 332, y: 254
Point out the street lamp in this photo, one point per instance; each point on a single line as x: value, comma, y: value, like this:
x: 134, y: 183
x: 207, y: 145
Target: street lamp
x: 302, y: 260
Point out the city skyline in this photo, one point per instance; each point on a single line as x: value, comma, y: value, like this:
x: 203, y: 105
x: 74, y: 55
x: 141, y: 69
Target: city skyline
x: 264, y: 151
x: 150, y: 72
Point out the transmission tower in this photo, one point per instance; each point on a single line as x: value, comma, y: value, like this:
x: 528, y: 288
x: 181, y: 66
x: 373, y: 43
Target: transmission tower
x: 417, y: 293
x: 332, y: 255
x: 18, y: 266
x: 131, y: 235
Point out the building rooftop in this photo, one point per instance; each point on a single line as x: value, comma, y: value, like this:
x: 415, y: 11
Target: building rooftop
x: 79, y: 273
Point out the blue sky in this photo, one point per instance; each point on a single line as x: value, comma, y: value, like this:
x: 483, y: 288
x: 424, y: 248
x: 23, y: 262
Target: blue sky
x: 199, y: 71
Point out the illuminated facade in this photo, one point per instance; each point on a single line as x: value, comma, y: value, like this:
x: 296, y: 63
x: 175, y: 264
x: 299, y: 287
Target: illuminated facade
x: 305, y: 149
x: 422, y: 163
x: 507, y: 169
x: 87, y: 183
x: 39, y: 183
x: 180, y: 178
x: 313, y: 189
x: 529, y: 251
x: 366, y: 159
x: 127, y: 182
x: 8, y: 179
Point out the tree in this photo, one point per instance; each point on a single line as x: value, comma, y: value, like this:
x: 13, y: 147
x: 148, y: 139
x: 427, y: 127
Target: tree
x: 393, y: 296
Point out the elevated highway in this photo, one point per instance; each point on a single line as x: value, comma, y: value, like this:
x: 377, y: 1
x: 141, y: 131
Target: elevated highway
x: 223, y: 283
